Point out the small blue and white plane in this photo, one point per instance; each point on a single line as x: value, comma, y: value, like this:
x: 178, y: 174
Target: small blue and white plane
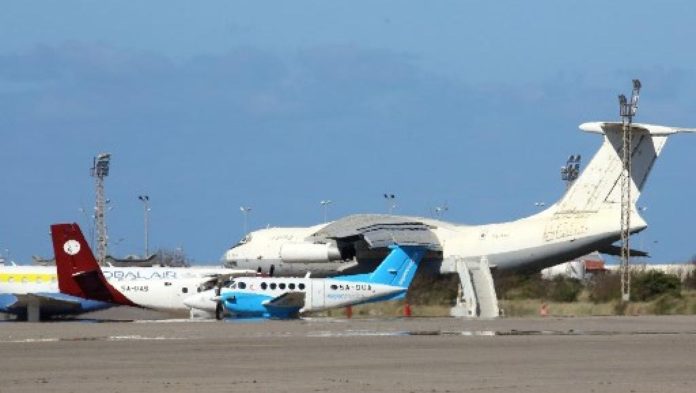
x: 287, y: 297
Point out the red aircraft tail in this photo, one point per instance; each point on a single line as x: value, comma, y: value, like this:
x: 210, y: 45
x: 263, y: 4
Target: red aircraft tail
x: 78, y: 272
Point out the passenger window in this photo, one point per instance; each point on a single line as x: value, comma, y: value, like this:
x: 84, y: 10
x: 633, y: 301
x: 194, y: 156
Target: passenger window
x: 291, y: 286
x: 281, y: 285
x: 241, y: 285
x: 184, y: 290
x: 264, y: 286
x: 166, y: 284
x: 334, y: 287
x: 273, y: 286
x: 301, y: 286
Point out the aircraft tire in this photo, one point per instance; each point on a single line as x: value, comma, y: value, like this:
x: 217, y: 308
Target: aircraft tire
x: 219, y: 312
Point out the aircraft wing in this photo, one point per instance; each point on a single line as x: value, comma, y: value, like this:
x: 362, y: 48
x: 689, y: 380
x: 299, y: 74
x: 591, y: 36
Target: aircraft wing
x: 294, y: 300
x: 49, y: 303
x: 380, y: 231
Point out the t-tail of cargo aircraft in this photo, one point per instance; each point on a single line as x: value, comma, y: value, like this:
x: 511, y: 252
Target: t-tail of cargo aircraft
x: 599, y: 186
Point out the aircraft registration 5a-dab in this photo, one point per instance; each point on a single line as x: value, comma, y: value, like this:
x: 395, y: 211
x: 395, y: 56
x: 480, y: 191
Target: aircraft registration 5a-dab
x: 585, y: 219
x: 32, y: 292
x: 286, y: 297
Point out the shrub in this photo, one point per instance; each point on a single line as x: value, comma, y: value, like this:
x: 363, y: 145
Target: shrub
x: 513, y: 286
x: 690, y: 280
x: 433, y: 289
x: 648, y: 285
x: 563, y: 289
x: 605, y: 287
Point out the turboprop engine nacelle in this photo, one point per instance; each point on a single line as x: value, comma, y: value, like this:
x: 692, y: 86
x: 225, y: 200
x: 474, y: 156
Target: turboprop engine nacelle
x: 309, y: 252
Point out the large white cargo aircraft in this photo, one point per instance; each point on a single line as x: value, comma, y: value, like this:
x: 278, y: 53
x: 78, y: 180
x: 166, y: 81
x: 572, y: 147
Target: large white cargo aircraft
x: 585, y: 219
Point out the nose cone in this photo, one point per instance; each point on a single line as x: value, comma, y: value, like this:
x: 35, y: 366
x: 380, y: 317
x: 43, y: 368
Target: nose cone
x: 202, y: 301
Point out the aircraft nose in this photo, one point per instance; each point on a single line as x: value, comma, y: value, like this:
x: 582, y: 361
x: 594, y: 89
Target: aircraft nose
x: 201, y: 301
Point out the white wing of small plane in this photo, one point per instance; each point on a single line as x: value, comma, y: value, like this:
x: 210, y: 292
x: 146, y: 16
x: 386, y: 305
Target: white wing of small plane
x: 287, y: 300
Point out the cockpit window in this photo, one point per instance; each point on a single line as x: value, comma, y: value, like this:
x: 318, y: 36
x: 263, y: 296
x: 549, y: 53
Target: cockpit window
x: 241, y: 285
x: 246, y: 239
x: 233, y: 285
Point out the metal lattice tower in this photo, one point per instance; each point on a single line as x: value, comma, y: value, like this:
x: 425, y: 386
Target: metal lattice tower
x: 100, y: 169
x: 627, y: 110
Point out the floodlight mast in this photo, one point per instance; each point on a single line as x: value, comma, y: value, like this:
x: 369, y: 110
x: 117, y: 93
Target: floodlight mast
x: 571, y: 171
x: 627, y: 109
x: 100, y: 170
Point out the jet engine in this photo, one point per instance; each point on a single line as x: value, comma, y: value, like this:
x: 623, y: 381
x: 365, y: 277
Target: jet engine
x: 309, y: 252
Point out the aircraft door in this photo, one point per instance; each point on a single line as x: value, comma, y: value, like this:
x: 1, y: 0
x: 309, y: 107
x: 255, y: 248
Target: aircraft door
x: 318, y: 294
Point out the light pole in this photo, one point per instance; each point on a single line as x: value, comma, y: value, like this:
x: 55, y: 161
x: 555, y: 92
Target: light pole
x: 100, y: 170
x: 391, y: 204
x: 627, y: 110
x: 245, y: 210
x: 145, y: 199
x: 440, y: 210
x: 325, y: 205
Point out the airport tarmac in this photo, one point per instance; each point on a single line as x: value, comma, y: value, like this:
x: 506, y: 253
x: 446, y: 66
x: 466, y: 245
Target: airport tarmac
x: 598, y: 354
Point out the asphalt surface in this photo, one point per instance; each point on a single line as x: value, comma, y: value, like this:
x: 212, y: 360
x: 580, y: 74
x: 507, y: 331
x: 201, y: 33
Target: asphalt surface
x: 599, y: 354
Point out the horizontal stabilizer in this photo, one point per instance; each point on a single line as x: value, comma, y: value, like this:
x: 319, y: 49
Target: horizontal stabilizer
x: 616, y: 251
x: 653, y: 129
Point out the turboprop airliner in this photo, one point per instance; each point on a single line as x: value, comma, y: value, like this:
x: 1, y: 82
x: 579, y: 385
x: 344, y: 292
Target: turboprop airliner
x: 79, y: 275
x: 285, y: 297
x: 39, y: 292
x: 585, y: 219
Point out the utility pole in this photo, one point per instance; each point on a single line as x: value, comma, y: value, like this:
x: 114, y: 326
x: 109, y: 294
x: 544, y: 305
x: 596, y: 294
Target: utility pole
x: 627, y: 109
x: 100, y: 170
x: 146, y: 213
x: 245, y: 211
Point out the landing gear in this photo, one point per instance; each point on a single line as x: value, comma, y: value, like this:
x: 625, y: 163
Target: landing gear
x: 219, y: 311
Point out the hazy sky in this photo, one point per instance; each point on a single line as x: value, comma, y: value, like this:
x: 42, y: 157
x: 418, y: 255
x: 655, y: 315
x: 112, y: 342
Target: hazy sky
x: 276, y: 105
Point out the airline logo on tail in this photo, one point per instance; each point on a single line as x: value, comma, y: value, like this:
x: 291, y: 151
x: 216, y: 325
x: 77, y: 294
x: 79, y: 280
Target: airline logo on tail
x: 78, y: 272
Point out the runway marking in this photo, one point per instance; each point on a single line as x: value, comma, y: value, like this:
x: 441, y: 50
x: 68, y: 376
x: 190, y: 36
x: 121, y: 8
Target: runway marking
x: 486, y: 333
x: 107, y: 338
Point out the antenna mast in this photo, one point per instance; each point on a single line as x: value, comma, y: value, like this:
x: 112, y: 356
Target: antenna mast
x: 627, y: 109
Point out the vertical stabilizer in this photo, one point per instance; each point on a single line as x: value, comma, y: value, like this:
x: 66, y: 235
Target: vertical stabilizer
x: 399, y: 267
x: 78, y: 271
x: 599, y: 186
